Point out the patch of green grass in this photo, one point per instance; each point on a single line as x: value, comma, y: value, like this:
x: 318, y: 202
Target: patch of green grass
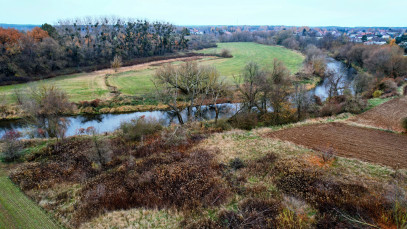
x: 17, y: 210
x: 79, y: 87
x: 134, y: 82
x: 376, y: 102
x: 139, y: 82
x: 244, y: 52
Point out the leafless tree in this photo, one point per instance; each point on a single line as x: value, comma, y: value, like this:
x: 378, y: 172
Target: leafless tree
x: 301, y: 99
x: 249, y: 85
x: 281, y: 86
x: 335, y: 84
x: 45, y: 106
x: 187, y: 82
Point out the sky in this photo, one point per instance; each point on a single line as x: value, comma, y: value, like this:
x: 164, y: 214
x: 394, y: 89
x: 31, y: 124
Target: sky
x: 350, y: 13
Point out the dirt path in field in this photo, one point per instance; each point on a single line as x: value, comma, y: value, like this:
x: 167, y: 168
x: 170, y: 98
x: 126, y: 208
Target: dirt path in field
x: 386, y: 116
x: 145, y: 65
x: 114, y: 90
x: 366, y: 144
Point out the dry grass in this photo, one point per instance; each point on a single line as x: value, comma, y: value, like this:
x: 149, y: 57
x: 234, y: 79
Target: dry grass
x: 136, y: 218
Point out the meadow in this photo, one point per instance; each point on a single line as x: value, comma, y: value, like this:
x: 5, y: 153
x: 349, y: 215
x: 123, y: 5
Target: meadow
x: 139, y: 82
x: 89, y: 86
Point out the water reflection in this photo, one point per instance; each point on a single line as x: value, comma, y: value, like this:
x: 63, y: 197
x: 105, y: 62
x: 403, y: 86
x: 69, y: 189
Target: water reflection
x: 337, y: 67
x: 110, y: 122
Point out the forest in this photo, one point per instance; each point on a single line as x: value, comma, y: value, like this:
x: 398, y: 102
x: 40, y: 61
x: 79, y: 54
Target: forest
x: 82, y: 44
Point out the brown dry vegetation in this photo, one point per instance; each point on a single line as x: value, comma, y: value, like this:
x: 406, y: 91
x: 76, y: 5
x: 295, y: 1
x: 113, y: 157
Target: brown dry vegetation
x: 194, y: 177
x: 369, y: 145
x: 386, y: 116
x: 161, y: 172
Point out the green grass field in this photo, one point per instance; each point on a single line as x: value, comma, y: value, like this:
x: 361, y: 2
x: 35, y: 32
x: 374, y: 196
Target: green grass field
x: 89, y: 86
x: 244, y: 52
x: 17, y: 210
x: 83, y: 86
x: 139, y: 82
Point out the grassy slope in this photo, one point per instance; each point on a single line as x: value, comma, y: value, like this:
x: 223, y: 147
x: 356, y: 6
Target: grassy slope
x: 83, y: 86
x: 138, y: 82
x: 17, y: 210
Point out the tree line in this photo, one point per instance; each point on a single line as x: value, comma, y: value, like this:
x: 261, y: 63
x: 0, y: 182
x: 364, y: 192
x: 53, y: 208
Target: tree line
x: 74, y: 45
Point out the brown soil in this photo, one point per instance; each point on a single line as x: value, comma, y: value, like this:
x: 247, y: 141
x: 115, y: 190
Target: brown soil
x: 387, y: 116
x: 366, y: 144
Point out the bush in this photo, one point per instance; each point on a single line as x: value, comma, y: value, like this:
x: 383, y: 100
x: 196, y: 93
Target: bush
x: 377, y: 93
x: 225, y: 53
x: 387, y: 85
x: 175, y: 136
x: 245, y: 121
x: 354, y: 105
x: 12, y: 147
x: 116, y: 63
x: 222, y: 124
x: 399, y: 81
x: 236, y: 163
x: 404, y: 124
x: 136, y: 129
x: 328, y: 154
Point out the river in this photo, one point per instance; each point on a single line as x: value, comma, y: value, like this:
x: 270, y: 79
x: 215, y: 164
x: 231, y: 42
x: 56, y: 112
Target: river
x: 110, y: 122
x: 336, y: 67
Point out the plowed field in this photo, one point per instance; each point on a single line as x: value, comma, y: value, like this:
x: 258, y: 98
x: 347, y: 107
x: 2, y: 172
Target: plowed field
x: 387, y: 115
x: 368, y: 145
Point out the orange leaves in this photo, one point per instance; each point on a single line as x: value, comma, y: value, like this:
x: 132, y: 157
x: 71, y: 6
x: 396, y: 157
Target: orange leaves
x: 10, y: 36
x: 37, y: 34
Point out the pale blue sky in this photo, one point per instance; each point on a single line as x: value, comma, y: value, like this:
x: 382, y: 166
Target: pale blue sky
x: 214, y: 12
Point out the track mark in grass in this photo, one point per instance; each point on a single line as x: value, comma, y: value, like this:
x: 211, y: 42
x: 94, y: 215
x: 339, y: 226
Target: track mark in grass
x: 18, y: 211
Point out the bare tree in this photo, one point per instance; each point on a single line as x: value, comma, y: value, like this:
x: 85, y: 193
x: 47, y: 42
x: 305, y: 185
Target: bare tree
x: 166, y: 81
x: 281, y: 85
x: 214, y: 87
x: 301, y: 100
x: 44, y: 106
x: 335, y: 83
x: 248, y: 84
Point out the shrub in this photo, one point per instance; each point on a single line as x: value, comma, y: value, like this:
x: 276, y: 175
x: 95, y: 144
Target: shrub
x: 225, y: 53
x: 245, y: 121
x: 12, y: 146
x: 399, y: 81
x: 222, y: 124
x: 387, y: 85
x: 236, y: 163
x: 354, y: 105
x: 328, y: 154
x: 377, y: 93
x: 404, y: 124
x: 286, y: 115
x: 175, y: 136
x: 137, y: 128
x: 331, y: 109
x: 95, y: 102
x: 116, y: 63
x: 405, y: 90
